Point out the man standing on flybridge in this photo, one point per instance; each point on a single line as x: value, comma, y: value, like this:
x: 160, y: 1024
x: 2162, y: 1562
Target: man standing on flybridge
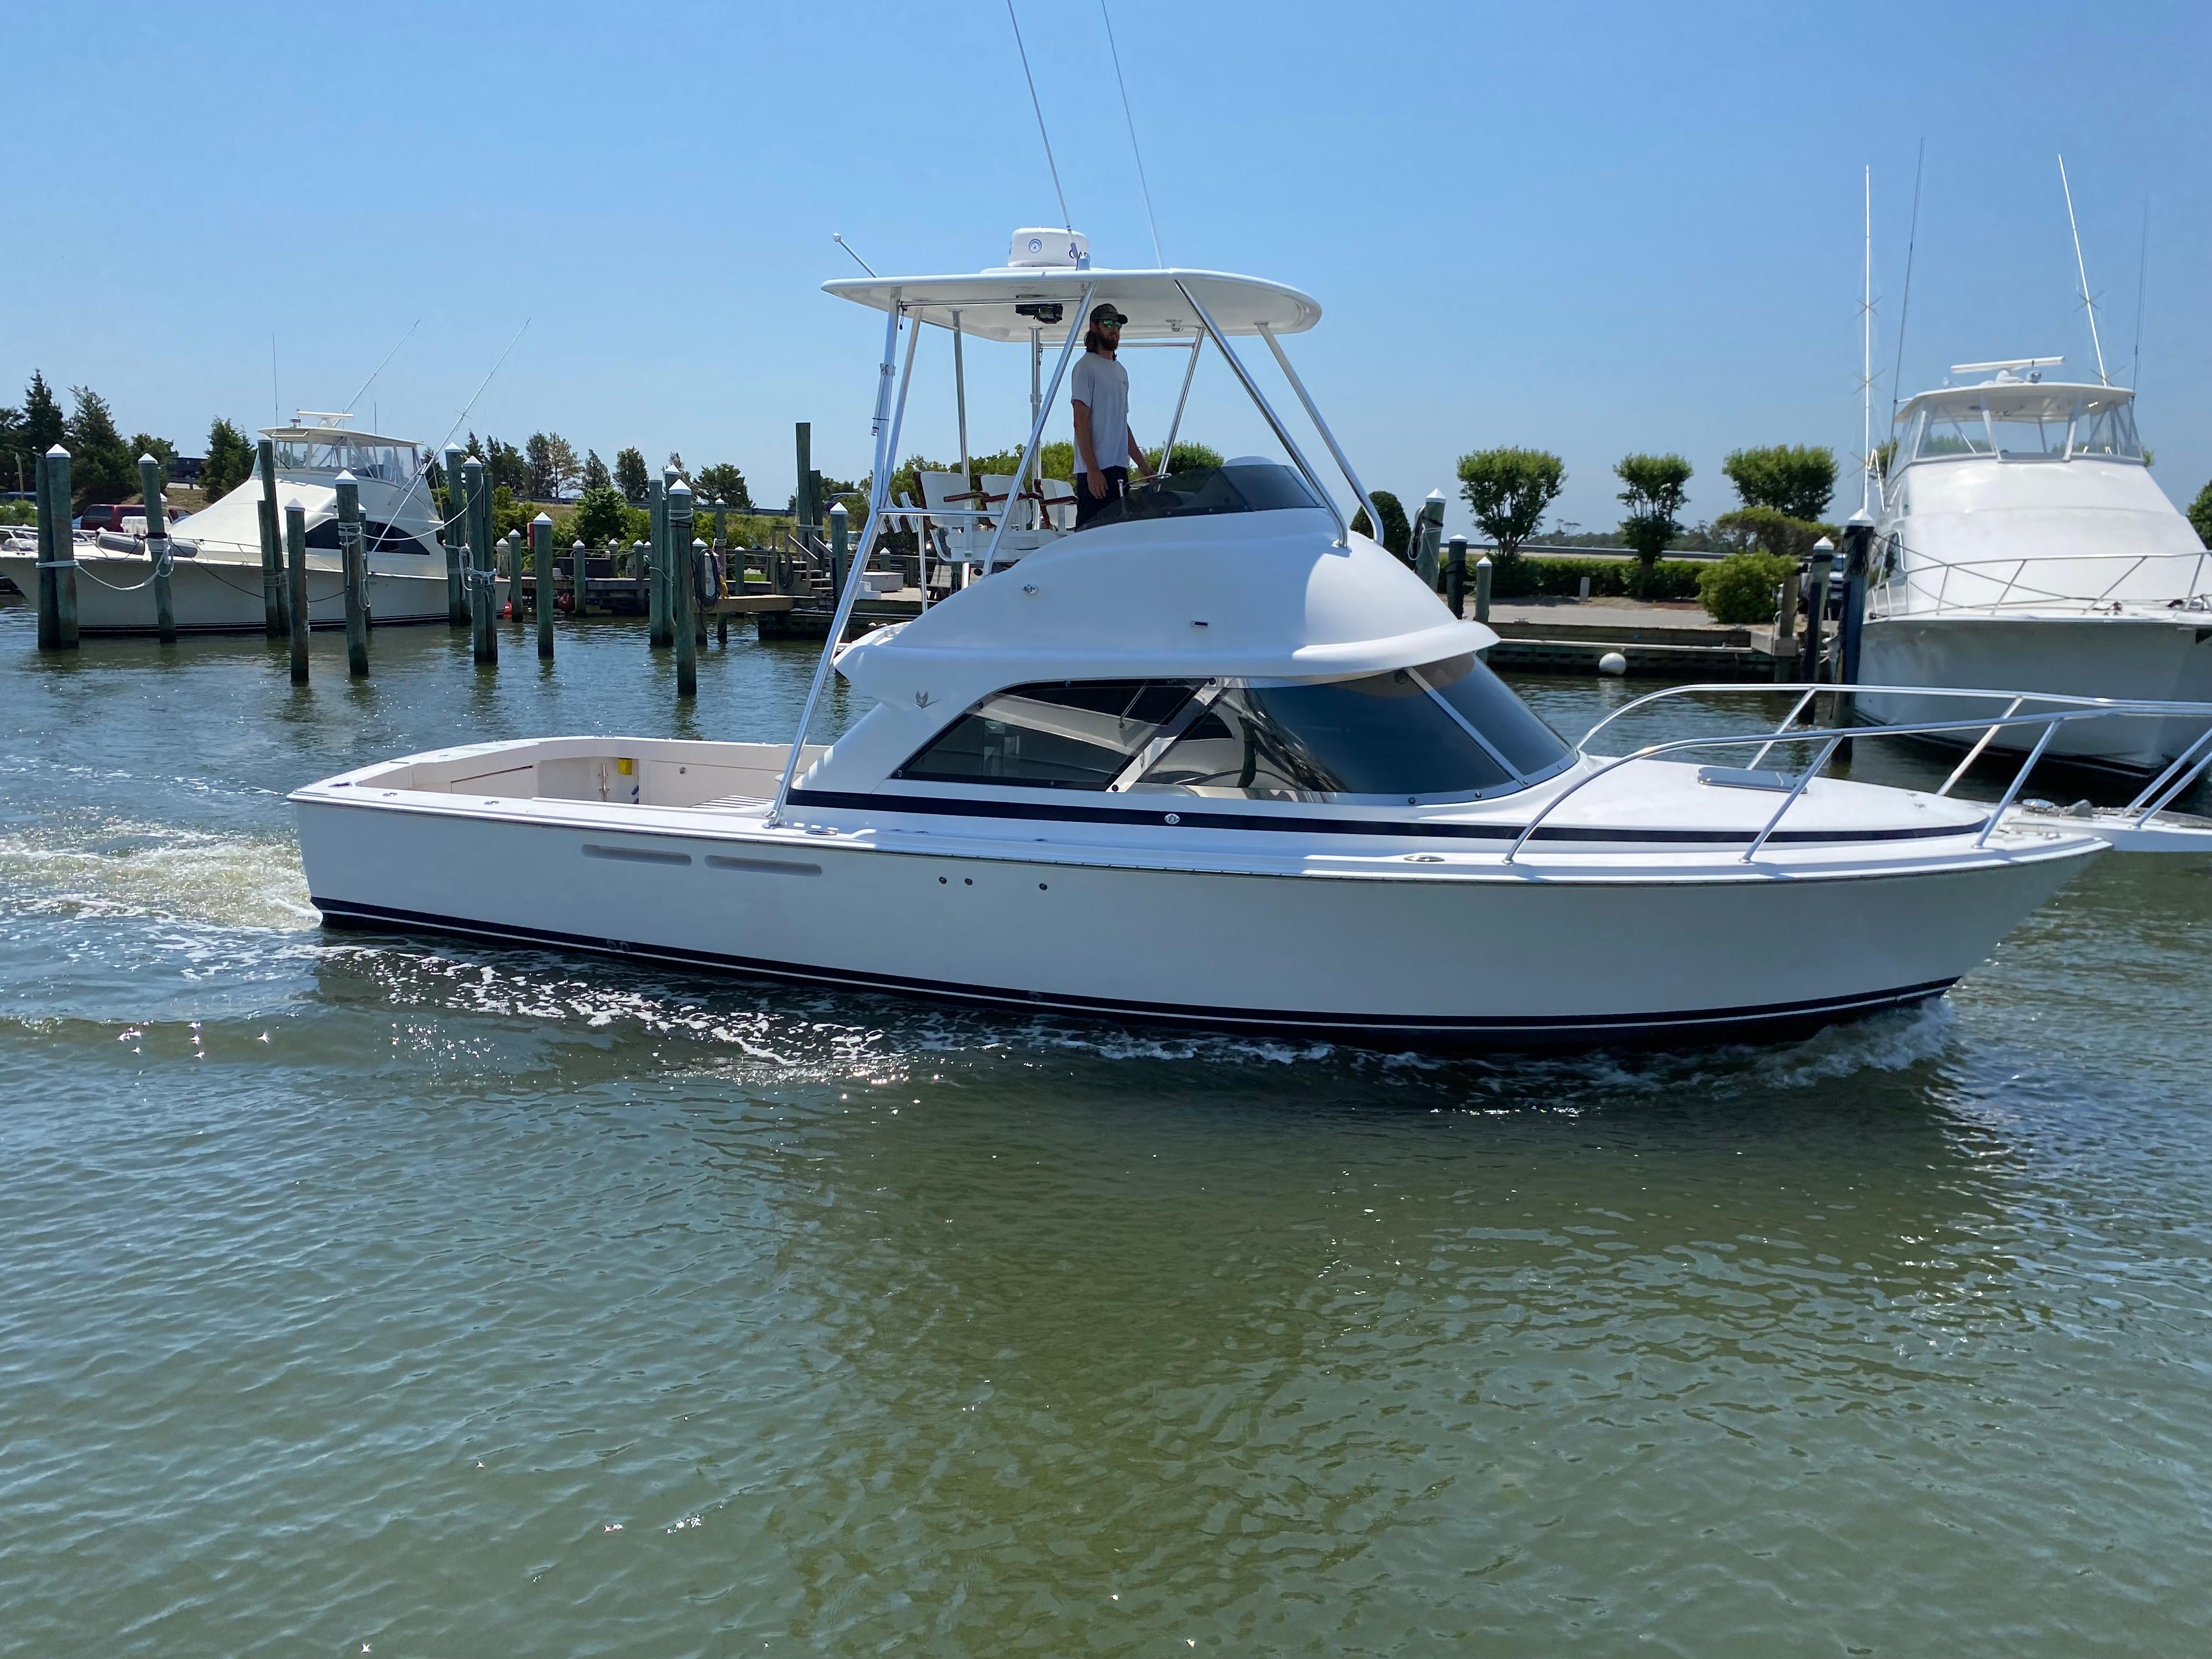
x: 1101, y: 395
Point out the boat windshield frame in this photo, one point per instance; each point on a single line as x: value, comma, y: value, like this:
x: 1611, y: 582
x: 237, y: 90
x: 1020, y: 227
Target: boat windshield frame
x: 1102, y: 715
x: 2073, y: 422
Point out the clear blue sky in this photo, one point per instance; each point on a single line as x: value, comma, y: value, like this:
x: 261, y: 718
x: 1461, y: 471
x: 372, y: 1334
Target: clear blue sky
x: 1588, y: 227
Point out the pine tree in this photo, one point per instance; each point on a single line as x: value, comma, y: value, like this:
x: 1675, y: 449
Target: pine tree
x: 230, y: 460
x: 101, y: 466
x: 43, y: 424
x: 596, y: 475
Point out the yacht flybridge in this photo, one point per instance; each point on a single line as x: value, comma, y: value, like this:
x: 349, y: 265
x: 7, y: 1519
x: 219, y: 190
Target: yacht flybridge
x: 2023, y: 542
x: 215, y: 575
x: 1215, y: 759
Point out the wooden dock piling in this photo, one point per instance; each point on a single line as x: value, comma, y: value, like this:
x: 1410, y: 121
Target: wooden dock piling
x: 276, y: 609
x: 839, y: 546
x: 295, y: 560
x: 483, y: 636
x: 157, y: 547
x: 353, y: 565
x: 678, y: 589
x: 1482, y: 575
x: 456, y: 538
x: 1428, y: 537
x: 656, y: 631
x: 1455, y: 576
x: 541, y: 549
x: 57, y: 554
x: 1816, y: 612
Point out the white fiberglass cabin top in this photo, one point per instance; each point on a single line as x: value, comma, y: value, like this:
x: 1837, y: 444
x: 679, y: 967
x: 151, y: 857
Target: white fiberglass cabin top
x: 2023, y: 544
x: 216, y: 569
x: 1214, y: 758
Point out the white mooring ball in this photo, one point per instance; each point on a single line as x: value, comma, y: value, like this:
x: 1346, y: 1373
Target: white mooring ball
x: 1613, y: 663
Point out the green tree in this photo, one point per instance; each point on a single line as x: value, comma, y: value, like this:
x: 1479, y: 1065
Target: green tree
x: 43, y: 424
x: 1795, y: 479
x: 551, y: 459
x: 1188, y: 458
x: 2200, y: 514
x: 102, y: 465
x: 595, y: 475
x: 145, y: 443
x: 230, y: 460
x: 724, y: 481
x: 1397, y: 528
x: 1509, y: 490
x: 1657, y: 486
x: 600, y: 516
x: 504, y: 465
x: 1774, y: 530
x: 636, y: 482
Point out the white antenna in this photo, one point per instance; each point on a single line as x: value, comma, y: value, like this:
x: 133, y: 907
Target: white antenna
x: 1866, y: 359
x: 2088, y: 304
x: 857, y: 259
x: 275, y: 404
x: 1065, y: 218
x: 1904, y: 307
x: 2142, y: 268
x: 388, y: 356
x: 1143, y: 184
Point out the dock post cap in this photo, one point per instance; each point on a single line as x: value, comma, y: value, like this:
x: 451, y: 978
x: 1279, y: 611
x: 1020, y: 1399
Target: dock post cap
x: 1481, y: 562
x: 142, y: 460
x: 1824, y: 545
x: 679, y: 488
x: 838, y: 507
x: 57, y: 450
x: 1861, y: 516
x: 345, y: 478
x: 544, y: 520
x: 577, y: 546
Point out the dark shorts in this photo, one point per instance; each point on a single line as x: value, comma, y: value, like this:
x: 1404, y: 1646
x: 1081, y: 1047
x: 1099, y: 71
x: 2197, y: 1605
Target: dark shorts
x: 1088, y: 506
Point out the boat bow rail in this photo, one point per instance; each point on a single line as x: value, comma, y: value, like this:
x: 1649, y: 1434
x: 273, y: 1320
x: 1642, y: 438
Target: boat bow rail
x: 2145, y: 824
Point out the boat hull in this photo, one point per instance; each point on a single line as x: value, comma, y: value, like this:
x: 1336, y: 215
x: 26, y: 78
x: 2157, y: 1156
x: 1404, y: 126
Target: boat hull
x: 223, y: 596
x: 2149, y: 657
x: 1526, y: 956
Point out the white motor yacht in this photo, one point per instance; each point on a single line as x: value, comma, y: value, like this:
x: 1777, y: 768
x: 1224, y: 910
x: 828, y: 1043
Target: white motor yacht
x: 2023, y: 543
x: 214, y: 579
x: 1212, y: 759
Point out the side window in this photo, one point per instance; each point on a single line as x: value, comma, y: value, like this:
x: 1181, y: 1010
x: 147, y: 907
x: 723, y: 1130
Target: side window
x: 1487, y: 704
x: 391, y: 539
x: 1064, y: 734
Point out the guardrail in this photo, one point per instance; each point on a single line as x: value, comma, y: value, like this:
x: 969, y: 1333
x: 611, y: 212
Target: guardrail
x: 2158, y: 793
x: 2010, y: 576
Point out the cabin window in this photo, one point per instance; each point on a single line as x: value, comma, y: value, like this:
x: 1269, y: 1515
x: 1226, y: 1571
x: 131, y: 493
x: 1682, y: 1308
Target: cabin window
x: 1063, y: 734
x: 377, y: 537
x: 2106, y: 429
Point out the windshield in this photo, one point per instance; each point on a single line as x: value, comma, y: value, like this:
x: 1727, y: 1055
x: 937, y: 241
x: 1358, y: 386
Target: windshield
x: 1245, y: 487
x: 1449, y: 728
x: 2025, y: 424
x: 390, y: 463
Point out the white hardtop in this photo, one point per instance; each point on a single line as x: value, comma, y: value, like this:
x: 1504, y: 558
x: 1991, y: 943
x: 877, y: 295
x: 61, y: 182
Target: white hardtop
x: 2009, y: 394
x: 1269, y: 596
x: 1155, y: 306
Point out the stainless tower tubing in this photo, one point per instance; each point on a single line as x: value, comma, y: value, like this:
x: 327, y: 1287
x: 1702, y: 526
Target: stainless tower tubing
x: 1267, y: 410
x: 1374, y: 518
x: 879, y: 487
x: 1036, y: 430
x: 1189, y: 371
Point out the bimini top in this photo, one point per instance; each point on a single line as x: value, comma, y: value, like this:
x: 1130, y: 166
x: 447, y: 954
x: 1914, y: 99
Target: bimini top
x: 1155, y: 307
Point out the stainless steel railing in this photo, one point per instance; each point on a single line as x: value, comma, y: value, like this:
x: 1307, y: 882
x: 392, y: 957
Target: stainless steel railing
x: 2162, y: 790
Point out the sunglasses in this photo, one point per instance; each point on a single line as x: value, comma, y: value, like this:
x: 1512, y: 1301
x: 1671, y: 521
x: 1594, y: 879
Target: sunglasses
x: 1111, y: 322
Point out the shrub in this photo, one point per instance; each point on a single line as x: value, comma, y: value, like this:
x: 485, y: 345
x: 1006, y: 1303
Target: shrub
x: 1740, y: 587
x: 1530, y: 577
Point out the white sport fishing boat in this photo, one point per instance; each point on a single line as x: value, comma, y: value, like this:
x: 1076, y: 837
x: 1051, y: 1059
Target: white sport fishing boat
x: 2023, y: 543
x: 1212, y: 759
x: 214, y: 579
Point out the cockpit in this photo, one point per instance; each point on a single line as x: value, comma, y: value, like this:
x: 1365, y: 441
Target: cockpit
x: 1244, y: 485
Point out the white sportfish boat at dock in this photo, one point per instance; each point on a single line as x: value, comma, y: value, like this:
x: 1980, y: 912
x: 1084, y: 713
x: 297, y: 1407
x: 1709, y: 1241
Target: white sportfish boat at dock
x: 214, y: 571
x: 2023, y: 544
x: 1215, y: 759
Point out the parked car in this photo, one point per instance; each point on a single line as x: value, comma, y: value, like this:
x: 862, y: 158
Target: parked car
x: 109, y: 515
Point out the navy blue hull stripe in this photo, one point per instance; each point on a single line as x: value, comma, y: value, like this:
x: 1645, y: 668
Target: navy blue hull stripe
x: 1552, y: 1027
x: 1072, y: 812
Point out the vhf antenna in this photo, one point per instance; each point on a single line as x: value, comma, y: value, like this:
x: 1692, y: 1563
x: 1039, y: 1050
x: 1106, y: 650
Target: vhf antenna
x: 2088, y: 305
x: 1904, y: 307
x: 1064, y: 217
x: 1143, y: 184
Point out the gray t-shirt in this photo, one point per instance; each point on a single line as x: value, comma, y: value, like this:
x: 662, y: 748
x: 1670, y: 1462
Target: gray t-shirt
x: 1101, y: 385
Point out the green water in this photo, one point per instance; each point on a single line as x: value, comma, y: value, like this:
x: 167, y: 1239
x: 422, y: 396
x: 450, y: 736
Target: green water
x: 438, y: 1299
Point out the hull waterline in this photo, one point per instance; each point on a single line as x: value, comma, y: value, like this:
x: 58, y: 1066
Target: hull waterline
x: 212, y: 596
